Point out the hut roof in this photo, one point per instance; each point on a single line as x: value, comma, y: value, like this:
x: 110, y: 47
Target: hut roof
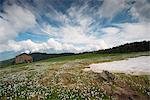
x: 23, y: 54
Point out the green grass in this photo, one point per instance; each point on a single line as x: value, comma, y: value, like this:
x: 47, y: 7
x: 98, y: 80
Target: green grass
x: 94, y: 55
x: 63, y: 77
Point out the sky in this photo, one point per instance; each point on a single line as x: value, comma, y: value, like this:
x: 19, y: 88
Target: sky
x: 57, y: 26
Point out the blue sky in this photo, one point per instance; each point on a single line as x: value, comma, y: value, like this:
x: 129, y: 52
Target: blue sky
x: 56, y: 26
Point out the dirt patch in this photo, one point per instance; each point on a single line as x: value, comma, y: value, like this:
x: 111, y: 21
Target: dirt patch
x: 66, y: 78
x: 127, y: 94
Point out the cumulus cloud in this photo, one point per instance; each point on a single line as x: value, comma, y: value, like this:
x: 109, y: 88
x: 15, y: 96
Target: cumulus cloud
x: 30, y: 46
x: 15, y: 20
x: 135, y: 31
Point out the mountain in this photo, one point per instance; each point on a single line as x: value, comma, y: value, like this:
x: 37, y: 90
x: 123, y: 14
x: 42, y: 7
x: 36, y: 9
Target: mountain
x: 126, y: 48
x: 36, y: 57
x: 129, y: 47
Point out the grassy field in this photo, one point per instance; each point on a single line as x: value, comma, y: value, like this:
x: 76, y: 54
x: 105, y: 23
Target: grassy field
x: 63, y: 78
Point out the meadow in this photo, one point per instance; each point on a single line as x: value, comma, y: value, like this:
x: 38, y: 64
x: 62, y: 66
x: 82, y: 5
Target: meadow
x: 63, y: 78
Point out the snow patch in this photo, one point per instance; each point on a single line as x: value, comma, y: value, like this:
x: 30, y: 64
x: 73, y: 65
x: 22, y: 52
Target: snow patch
x: 136, y: 66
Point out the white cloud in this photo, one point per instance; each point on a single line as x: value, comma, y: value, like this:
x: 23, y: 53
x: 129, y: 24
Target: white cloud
x: 129, y: 32
x: 77, y: 35
x: 51, y: 44
x: 6, y: 31
x: 28, y: 45
x: 15, y: 20
x: 54, y: 44
x: 53, y: 31
x: 78, y: 30
x: 135, y: 31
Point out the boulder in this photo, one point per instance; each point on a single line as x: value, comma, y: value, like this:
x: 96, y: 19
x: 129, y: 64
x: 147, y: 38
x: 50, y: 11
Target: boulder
x: 107, y: 76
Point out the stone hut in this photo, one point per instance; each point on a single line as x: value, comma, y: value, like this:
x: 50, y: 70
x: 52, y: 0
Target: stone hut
x: 23, y: 58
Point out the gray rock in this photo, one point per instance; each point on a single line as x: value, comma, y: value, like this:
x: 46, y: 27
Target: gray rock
x: 106, y: 76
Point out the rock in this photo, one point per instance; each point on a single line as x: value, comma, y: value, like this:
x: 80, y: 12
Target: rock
x: 107, y: 76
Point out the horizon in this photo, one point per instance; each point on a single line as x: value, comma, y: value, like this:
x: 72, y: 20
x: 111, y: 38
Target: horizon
x: 28, y: 53
x: 73, y: 26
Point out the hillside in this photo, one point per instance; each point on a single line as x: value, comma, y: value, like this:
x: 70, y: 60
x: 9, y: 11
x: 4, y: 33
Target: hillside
x: 66, y: 77
x: 129, y: 47
x: 43, y: 56
x: 126, y: 48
